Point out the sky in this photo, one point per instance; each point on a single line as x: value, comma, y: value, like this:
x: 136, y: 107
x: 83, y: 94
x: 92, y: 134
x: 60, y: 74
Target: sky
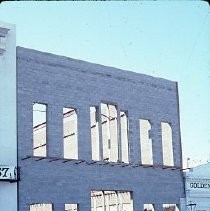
x: 167, y: 39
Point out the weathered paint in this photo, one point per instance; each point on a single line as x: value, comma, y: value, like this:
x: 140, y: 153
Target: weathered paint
x: 8, y: 117
x: 63, y: 82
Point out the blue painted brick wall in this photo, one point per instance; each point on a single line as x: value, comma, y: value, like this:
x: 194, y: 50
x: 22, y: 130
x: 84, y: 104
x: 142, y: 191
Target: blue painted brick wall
x: 63, y: 82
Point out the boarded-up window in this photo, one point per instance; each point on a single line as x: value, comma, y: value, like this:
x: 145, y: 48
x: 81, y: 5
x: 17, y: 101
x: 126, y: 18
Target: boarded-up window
x: 70, y: 133
x: 145, y: 142
x: 167, y: 144
x: 39, y: 129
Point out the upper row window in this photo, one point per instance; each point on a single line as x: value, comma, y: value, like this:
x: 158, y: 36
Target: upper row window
x: 109, y: 124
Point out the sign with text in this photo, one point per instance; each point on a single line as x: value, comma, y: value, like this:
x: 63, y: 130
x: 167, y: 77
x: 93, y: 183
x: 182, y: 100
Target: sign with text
x: 198, y: 184
x: 8, y: 173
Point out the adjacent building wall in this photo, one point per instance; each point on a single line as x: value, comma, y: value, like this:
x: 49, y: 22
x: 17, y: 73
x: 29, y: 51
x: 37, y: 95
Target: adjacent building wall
x: 197, y: 186
x: 62, y: 82
x: 8, y: 122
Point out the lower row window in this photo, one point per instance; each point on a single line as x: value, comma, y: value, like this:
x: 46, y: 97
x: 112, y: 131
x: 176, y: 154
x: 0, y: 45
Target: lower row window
x: 166, y: 207
x: 49, y: 207
x: 106, y: 200
x: 41, y: 207
x: 111, y: 200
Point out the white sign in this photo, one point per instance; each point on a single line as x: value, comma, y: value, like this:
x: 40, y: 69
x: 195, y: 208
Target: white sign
x: 8, y: 173
x: 198, y: 184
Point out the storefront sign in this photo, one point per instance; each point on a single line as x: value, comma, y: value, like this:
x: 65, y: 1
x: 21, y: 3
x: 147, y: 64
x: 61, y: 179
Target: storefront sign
x: 199, y: 185
x: 8, y: 173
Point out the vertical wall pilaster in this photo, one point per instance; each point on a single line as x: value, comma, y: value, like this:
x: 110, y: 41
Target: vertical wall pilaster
x: 134, y: 142
x: 85, y: 204
x: 158, y: 207
x: 58, y: 207
x: 25, y: 112
x: 84, y: 132
x: 137, y: 203
x: 176, y: 141
x: 157, y: 143
x: 54, y: 131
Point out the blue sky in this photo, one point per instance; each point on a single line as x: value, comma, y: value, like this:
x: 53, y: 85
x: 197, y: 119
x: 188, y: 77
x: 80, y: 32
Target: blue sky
x: 168, y: 39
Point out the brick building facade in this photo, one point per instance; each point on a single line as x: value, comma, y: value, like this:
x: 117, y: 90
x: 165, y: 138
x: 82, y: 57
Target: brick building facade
x: 127, y: 141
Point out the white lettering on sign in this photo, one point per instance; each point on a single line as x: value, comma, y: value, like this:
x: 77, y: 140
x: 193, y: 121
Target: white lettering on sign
x: 8, y: 173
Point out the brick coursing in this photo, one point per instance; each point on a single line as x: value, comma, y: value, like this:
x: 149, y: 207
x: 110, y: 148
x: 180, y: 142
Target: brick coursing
x: 63, y: 82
